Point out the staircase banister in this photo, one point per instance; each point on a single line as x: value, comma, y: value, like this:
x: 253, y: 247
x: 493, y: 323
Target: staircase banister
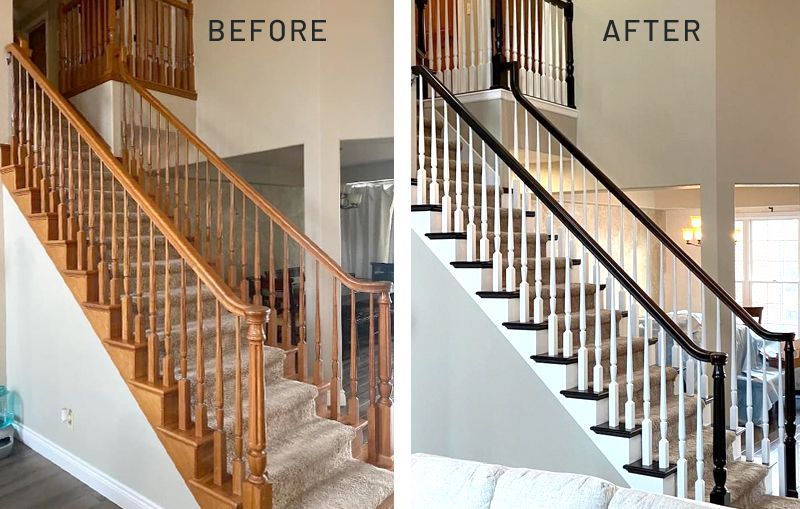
x: 209, y: 276
x: 353, y: 283
x: 558, y: 3
x: 640, y: 215
x: 701, y: 354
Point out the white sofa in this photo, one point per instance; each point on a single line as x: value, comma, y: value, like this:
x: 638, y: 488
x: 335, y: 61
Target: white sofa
x: 445, y: 483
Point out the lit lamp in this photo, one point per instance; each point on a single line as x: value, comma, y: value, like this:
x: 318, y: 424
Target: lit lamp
x: 693, y: 236
x: 738, y: 235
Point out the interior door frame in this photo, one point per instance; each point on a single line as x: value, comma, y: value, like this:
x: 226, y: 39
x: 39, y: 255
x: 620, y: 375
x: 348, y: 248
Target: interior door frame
x: 42, y: 20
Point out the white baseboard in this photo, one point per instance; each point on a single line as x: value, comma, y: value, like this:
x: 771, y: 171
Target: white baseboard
x: 110, y: 488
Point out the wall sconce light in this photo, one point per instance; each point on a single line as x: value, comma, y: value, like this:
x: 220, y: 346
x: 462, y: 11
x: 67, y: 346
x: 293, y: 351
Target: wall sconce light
x: 693, y: 236
x: 738, y: 235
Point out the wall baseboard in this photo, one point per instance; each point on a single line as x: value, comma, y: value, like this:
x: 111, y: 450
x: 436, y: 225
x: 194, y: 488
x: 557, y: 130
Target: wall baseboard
x: 110, y: 488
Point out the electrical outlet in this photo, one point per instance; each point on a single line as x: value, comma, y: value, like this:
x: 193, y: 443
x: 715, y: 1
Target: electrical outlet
x: 68, y: 418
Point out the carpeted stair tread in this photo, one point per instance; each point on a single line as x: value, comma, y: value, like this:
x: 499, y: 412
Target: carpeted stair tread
x: 745, y: 482
x: 773, y: 502
x: 355, y: 485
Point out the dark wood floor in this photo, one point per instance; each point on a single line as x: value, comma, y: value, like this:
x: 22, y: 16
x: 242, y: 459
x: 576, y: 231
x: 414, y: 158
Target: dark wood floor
x: 29, y: 481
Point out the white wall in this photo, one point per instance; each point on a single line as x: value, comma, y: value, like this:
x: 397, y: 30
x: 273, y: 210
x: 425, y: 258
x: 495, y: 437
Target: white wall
x: 51, y: 366
x: 472, y: 396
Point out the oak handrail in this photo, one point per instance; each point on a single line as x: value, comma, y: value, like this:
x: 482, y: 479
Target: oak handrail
x: 347, y: 279
x: 591, y: 245
x: 218, y: 287
x: 639, y: 214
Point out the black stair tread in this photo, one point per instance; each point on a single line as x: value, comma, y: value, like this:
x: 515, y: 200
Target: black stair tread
x: 617, y: 431
x: 426, y: 208
x: 651, y: 471
x: 605, y: 317
x: 477, y: 264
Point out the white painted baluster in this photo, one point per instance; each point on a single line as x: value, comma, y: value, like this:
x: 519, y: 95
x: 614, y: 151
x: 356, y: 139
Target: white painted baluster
x: 699, y: 484
x: 471, y: 240
x: 448, y: 63
x: 472, y: 74
x: 552, y: 319
x: 563, y: 73
x: 683, y: 479
x: 556, y: 97
x: 690, y: 371
x: 583, y: 358
x: 613, y: 386
x: 486, y: 71
x: 702, y: 380
x: 484, y: 246
x: 524, y: 287
x: 781, y: 431
x: 523, y: 51
x: 538, y: 302
x: 458, y: 26
x: 622, y: 302
x: 497, y: 257
x: 630, y: 405
x: 535, y: 87
x: 765, y: 406
x: 507, y: 31
x: 749, y: 430
x: 447, y: 211
x: 511, y: 273
x: 514, y: 32
x: 663, y: 443
x: 734, y: 415
x: 422, y: 175
x: 431, y: 29
x: 610, y: 296
x: 647, y: 424
x: 675, y: 348
x: 597, y: 374
x: 434, y: 189
x: 458, y: 218
x: 551, y: 56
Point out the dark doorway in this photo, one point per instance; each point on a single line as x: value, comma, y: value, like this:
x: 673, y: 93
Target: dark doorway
x: 37, y: 38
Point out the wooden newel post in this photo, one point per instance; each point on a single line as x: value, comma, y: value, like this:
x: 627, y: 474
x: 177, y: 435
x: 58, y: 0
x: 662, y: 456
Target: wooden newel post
x: 719, y: 494
x: 257, y: 491
x: 384, y: 410
x: 569, y: 16
x: 789, y: 442
x: 499, y: 76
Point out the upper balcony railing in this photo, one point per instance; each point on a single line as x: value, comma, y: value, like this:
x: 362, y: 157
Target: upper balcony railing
x: 466, y: 43
x: 157, y: 34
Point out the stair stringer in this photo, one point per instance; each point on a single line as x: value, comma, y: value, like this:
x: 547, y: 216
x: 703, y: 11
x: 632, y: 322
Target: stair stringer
x: 109, y: 441
x: 618, y: 451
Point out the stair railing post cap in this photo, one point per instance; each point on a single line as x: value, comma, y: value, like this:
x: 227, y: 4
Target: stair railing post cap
x: 257, y: 314
x: 719, y: 358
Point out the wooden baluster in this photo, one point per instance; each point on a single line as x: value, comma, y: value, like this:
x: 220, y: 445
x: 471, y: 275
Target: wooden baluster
x: 35, y: 148
x: 55, y: 182
x: 335, y: 339
x: 114, y: 288
x: 524, y: 287
x: 168, y: 367
x: 682, y: 480
x: 663, y: 443
x: 422, y: 174
x: 317, y: 327
x: 484, y: 242
x: 138, y: 319
x: 384, y: 420
x: 749, y: 432
x: 238, y: 464
x: 220, y: 258
x: 152, y: 338
x: 372, y: 440
x: 220, y: 453
x: 302, y: 364
x: 433, y: 197
x: 187, y: 223
x: 429, y: 28
x: 72, y: 223
x: 126, y: 305
x: 765, y: 444
x: 257, y: 300
x: 231, y: 236
x: 198, y: 230
x: 91, y: 249
x: 470, y: 203
x: 207, y: 230
x: 30, y: 178
x: 184, y: 384
x: 353, y: 403
x: 272, y: 326
x: 244, y: 288
x: 103, y: 275
x: 200, y: 410
x: 81, y: 235
x: 63, y: 195
x: 538, y: 301
x: 46, y: 185
x: 446, y: 206
x: 190, y: 46
x: 287, y: 296
x: 257, y: 491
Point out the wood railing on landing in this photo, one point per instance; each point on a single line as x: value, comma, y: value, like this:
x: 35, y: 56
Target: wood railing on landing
x: 267, y: 258
x: 143, y: 263
x: 466, y: 43
x: 157, y: 34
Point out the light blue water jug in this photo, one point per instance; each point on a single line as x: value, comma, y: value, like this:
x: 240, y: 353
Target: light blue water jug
x: 6, y: 413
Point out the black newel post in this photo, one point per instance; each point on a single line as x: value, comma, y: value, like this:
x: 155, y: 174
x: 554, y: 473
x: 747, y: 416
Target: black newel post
x: 421, y: 49
x: 499, y: 74
x: 569, y: 15
x: 719, y: 494
x: 790, y: 442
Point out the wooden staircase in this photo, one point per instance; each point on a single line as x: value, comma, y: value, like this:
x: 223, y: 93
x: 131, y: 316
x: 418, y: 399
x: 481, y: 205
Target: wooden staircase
x: 228, y: 401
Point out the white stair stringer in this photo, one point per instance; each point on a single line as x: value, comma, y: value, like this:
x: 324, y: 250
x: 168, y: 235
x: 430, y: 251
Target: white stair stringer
x: 585, y: 413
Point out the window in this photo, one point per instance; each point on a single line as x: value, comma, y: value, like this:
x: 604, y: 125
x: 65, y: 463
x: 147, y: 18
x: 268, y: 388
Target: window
x: 768, y: 270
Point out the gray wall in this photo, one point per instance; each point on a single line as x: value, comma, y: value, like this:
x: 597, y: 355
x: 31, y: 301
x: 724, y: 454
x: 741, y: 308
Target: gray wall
x: 472, y: 396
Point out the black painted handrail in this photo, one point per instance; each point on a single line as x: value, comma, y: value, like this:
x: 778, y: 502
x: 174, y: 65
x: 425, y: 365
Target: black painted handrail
x: 571, y: 224
x: 639, y: 214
